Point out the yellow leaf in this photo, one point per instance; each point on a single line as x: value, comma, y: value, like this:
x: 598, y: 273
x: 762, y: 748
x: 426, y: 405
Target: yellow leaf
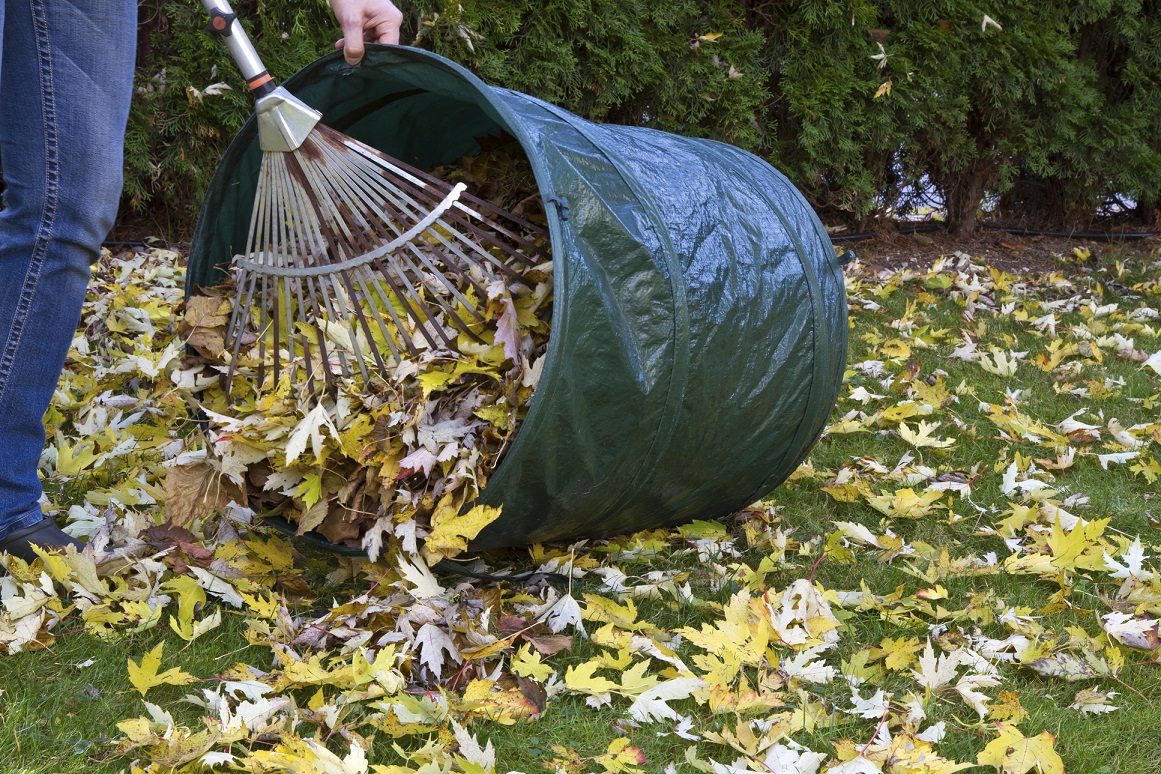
x: 451, y: 532
x: 1013, y: 753
x: 1007, y: 707
x: 884, y: 90
x: 604, y: 610
x: 1069, y: 549
x: 581, y: 679
x: 924, y: 436
x: 526, y: 663
x: 895, y: 348
x: 71, y: 461
x: 310, y: 490
x: 145, y: 675
x: 901, y: 653
x: 621, y: 756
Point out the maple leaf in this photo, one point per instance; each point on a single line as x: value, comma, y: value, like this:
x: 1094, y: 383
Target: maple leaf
x: 508, y: 329
x: 432, y: 642
x: 804, y: 667
x: 189, y: 630
x: 1154, y: 362
x: 73, y: 460
x: 580, y: 678
x: 1001, y: 363
x: 144, y: 676
x: 872, y: 708
x: 968, y: 687
x: 924, y: 437
x: 1012, y: 753
x: 450, y: 531
x: 1091, y: 701
x: 1140, y: 633
x: 470, y: 750
x: 1007, y: 707
x: 1133, y: 567
x: 857, y: 765
x: 1071, y: 667
x: 620, y: 756
x: 900, y: 652
x: 934, y: 673
x: 423, y: 585
x: 1072, y: 549
x: 1119, y: 458
x: 564, y: 613
x: 527, y: 663
x: 651, y: 704
x: 311, y: 429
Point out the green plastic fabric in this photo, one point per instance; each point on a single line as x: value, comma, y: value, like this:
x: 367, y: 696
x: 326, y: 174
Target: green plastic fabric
x: 699, y: 329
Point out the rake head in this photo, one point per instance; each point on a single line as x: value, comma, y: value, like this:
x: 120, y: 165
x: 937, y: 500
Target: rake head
x: 353, y: 255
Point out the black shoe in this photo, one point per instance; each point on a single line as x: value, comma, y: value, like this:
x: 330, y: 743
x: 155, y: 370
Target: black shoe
x: 45, y: 533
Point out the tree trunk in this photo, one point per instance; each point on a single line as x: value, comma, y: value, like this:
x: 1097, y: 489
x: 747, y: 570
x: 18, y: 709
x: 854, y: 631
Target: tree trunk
x: 962, y: 196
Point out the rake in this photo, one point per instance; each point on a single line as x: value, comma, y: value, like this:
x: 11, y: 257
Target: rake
x: 351, y: 251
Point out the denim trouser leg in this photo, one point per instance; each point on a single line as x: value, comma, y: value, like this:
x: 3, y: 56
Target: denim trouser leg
x: 66, y: 75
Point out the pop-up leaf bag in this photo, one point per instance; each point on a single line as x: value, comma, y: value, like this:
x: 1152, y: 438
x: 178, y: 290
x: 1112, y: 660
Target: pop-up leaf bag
x: 698, y: 329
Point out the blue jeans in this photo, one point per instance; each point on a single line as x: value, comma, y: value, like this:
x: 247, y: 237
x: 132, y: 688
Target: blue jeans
x: 66, y: 78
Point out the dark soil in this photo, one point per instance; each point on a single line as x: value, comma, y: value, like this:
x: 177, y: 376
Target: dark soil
x: 1008, y: 252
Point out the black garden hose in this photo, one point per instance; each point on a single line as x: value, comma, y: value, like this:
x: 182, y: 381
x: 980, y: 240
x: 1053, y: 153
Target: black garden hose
x: 315, y: 540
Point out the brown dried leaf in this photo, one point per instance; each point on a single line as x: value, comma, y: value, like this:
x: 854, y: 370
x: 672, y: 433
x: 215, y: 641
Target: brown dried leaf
x: 193, y: 491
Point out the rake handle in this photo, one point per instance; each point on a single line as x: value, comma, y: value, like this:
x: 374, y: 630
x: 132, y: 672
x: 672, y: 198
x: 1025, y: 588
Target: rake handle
x: 225, y: 23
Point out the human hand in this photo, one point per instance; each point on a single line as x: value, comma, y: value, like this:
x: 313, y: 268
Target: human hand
x: 365, y: 21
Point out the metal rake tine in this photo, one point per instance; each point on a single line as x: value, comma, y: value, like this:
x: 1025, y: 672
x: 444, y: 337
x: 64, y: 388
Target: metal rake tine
x: 310, y: 231
x: 367, y: 282
x: 439, y: 275
x: 454, y: 216
x: 237, y: 327
x: 410, y: 294
x: 282, y: 289
x: 489, y: 260
x: 304, y: 319
x: 362, y: 319
x: 419, y: 176
x: 455, y: 268
x: 406, y: 296
x: 389, y: 307
x: 348, y: 316
x: 311, y: 214
x: 364, y: 194
x: 240, y: 313
x: 417, y: 182
x: 283, y: 238
x: 324, y: 213
x: 369, y: 190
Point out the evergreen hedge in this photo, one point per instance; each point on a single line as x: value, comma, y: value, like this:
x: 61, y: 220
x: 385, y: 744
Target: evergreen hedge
x: 1047, y: 109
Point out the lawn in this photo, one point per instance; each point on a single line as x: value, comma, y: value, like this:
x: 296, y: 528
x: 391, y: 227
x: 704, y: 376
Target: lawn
x: 961, y: 575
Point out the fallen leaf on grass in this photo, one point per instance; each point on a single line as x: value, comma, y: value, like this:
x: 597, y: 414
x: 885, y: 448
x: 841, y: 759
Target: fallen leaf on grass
x: 145, y: 675
x: 1012, y: 753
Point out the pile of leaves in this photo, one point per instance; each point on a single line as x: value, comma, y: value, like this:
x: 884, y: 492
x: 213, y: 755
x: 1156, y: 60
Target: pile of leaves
x: 967, y: 562
x: 389, y: 464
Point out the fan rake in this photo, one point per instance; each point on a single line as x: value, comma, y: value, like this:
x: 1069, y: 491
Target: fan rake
x: 353, y: 255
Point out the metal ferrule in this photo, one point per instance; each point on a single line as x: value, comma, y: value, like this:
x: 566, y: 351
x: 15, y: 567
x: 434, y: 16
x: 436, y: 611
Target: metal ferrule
x: 284, y: 121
